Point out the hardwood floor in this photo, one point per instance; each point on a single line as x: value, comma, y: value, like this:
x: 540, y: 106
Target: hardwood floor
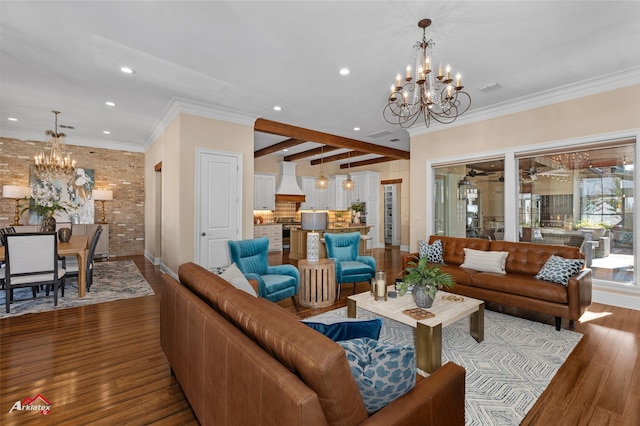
x: 102, y: 364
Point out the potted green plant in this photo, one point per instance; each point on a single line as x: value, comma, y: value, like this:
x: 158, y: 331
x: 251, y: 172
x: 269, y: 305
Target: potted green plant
x: 426, y: 280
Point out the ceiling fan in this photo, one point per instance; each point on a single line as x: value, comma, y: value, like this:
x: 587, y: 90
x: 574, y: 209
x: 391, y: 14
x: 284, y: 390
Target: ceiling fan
x: 472, y: 173
x: 556, y: 172
x: 531, y: 173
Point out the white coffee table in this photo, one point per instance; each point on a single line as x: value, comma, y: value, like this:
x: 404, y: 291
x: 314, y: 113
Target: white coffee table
x: 428, y: 331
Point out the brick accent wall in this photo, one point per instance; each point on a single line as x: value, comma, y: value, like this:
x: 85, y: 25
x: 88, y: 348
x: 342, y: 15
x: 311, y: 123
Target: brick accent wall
x: 120, y: 171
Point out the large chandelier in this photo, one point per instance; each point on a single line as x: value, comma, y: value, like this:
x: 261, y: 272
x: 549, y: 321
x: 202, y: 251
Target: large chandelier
x: 436, y: 97
x: 55, y: 161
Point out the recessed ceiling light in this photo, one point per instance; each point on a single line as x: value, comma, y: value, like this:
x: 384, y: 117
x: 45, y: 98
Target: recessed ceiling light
x: 277, y: 108
x: 109, y: 103
x: 357, y: 129
x: 12, y: 119
x: 285, y: 150
x: 106, y: 132
x: 344, y: 71
x: 126, y: 70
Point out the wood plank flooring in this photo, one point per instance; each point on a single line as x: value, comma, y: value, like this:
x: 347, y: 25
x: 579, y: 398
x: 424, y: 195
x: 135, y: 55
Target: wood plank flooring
x: 102, y: 364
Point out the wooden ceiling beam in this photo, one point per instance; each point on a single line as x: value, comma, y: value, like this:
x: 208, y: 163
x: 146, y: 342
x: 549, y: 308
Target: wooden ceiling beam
x: 338, y: 157
x: 275, y: 128
x: 367, y: 162
x: 277, y: 147
x: 310, y: 153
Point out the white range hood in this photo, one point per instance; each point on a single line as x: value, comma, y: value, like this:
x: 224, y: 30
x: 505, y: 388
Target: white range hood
x: 288, y: 188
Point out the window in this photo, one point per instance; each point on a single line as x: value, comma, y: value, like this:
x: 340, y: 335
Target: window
x: 577, y: 197
x: 582, y: 198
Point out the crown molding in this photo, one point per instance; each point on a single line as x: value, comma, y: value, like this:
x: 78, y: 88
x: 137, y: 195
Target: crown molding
x: 183, y: 106
x: 72, y: 141
x: 613, y: 81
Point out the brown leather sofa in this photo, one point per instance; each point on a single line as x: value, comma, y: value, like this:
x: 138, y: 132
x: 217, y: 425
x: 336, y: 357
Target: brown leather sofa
x: 242, y: 360
x: 517, y: 287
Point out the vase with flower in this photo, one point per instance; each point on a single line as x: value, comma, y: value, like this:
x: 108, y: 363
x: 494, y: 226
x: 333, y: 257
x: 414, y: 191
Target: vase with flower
x: 46, y: 203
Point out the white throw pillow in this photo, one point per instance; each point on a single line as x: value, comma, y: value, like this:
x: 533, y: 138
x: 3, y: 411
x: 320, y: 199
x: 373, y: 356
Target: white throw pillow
x: 485, y: 261
x: 236, y: 278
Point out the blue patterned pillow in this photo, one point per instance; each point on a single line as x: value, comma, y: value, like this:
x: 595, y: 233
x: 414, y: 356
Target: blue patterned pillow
x: 434, y: 251
x: 558, y: 269
x: 383, y: 372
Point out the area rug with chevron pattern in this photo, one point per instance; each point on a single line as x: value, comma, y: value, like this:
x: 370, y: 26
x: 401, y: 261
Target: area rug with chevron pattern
x: 113, y: 280
x: 506, y: 373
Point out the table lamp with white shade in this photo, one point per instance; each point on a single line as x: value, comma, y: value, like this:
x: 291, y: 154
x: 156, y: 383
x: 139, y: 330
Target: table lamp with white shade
x: 102, y: 195
x: 17, y: 193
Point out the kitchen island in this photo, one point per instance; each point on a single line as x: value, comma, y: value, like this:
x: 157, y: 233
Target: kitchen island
x: 298, y: 249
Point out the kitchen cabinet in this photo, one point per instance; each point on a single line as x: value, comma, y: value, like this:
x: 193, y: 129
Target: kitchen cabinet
x: 273, y: 232
x: 315, y: 199
x: 338, y: 197
x: 299, y: 240
x: 264, y: 191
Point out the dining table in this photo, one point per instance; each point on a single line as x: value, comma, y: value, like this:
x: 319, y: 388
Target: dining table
x: 76, y: 246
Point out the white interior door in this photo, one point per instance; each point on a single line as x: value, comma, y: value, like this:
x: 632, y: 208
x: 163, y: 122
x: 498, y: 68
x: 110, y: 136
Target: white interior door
x: 217, y: 206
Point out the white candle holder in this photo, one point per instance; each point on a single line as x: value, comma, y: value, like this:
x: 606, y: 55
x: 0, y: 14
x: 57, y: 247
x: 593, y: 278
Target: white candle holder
x: 380, y: 292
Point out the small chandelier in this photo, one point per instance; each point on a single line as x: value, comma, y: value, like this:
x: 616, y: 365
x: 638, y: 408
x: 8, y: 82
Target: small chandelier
x: 321, y: 181
x: 432, y: 96
x: 348, y: 184
x: 464, y: 188
x: 55, y: 161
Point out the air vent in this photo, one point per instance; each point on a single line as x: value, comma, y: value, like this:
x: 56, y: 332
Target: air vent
x: 379, y: 134
x: 490, y: 87
x: 66, y: 127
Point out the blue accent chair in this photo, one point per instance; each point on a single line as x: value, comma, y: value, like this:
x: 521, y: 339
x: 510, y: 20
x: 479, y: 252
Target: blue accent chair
x: 350, y: 267
x: 274, y: 282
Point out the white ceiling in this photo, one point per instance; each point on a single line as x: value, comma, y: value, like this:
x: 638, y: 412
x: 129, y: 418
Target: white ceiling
x: 251, y: 56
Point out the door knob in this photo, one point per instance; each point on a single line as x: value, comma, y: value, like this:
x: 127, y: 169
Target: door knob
x: 203, y: 234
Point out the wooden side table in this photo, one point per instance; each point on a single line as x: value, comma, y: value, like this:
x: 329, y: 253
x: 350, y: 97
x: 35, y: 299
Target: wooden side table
x: 317, y: 283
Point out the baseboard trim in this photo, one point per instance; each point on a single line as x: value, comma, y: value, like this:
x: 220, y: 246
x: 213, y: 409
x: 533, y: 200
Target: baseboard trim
x: 622, y: 298
x: 165, y: 269
x: 151, y: 258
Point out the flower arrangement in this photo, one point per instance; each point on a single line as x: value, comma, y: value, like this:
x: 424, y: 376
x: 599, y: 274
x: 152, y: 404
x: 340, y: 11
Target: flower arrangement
x: 46, y: 199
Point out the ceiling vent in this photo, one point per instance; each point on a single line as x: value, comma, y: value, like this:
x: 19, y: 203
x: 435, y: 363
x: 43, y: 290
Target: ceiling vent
x: 379, y: 134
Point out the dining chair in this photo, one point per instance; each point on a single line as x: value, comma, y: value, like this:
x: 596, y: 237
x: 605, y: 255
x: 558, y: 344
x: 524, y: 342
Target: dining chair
x: 274, y: 282
x: 32, y: 260
x: 70, y: 263
x: 5, y: 231
x: 350, y: 267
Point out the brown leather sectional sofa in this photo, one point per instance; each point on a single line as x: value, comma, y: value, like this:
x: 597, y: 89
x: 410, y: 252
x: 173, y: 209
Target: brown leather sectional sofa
x: 242, y: 360
x: 517, y: 287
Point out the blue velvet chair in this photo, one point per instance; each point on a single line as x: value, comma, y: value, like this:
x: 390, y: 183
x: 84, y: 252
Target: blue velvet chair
x: 350, y: 267
x: 274, y: 282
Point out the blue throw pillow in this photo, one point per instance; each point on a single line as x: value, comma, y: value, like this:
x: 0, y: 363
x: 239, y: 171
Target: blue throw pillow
x: 339, y: 328
x: 558, y: 269
x: 382, y: 371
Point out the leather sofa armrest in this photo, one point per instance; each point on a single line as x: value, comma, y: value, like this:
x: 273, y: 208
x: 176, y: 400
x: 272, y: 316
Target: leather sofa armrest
x: 406, y: 258
x: 255, y: 285
x: 437, y: 400
x: 579, y: 291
